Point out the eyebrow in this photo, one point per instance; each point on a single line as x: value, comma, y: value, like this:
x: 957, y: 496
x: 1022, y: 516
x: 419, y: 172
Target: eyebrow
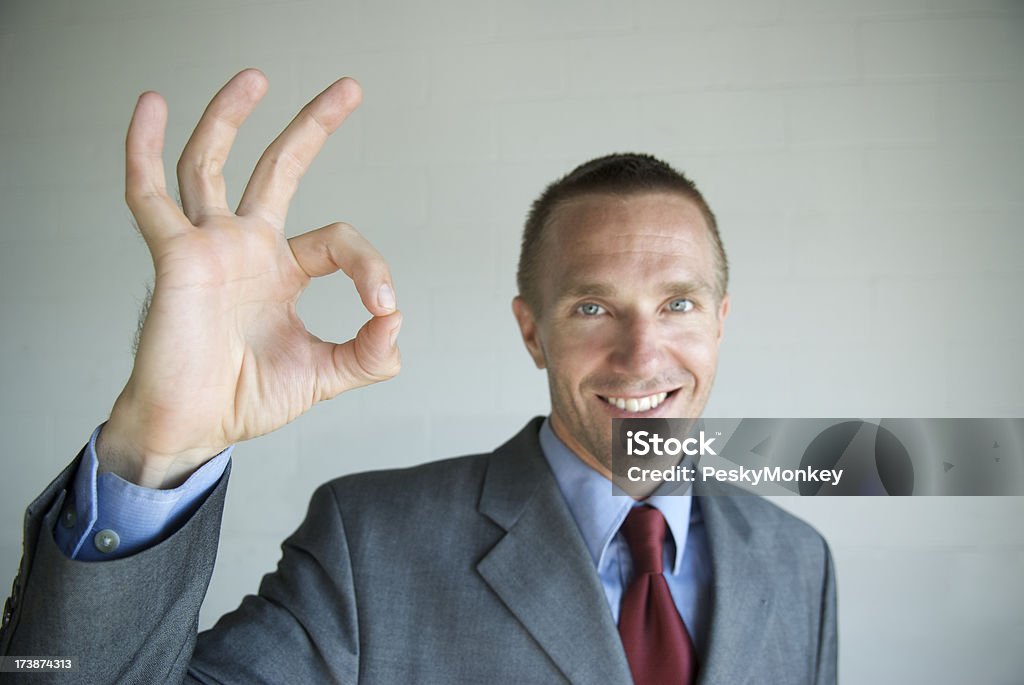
x: 608, y: 290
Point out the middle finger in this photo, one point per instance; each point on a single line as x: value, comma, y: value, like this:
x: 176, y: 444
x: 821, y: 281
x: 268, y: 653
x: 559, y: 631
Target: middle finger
x: 277, y: 174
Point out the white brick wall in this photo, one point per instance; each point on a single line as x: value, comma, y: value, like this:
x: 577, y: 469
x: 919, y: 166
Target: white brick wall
x: 865, y: 159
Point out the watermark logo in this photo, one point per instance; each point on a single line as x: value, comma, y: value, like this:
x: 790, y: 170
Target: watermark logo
x: 814, y: 457
x: 644, y: 443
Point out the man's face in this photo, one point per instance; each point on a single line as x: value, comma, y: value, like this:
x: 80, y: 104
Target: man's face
x: 629, y: 324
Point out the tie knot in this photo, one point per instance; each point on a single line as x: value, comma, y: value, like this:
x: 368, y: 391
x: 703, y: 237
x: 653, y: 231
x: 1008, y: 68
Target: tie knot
x: 645, y: 530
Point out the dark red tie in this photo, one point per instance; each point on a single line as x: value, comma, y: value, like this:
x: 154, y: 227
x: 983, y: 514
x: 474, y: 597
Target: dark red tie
x: 658, y: 647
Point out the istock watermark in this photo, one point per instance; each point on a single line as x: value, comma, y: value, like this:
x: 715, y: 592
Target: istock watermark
x: 651, y: 443
x: 803, y: 456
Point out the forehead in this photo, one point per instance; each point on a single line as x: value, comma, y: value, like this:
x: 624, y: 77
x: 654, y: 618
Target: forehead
x: 639, y: 237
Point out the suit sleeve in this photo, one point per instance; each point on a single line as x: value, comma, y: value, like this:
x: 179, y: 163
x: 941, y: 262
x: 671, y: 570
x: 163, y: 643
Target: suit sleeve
x: 134, y: 620
x: 126, y: 620
x: 302, y: 626
x: 828, y: 640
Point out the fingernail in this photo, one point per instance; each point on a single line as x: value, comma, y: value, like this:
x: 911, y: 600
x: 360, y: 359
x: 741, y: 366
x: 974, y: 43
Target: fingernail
x: 394, y: 334
x: 386, y: 297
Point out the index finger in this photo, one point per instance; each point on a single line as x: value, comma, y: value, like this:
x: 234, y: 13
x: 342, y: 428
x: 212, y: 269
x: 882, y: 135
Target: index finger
x: 277, y: 174
x: 339, y: 246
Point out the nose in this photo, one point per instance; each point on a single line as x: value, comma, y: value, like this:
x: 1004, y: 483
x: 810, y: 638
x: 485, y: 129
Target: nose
x: 638, y: 347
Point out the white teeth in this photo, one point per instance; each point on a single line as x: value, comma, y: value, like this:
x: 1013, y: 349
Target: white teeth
x: 637, y: 405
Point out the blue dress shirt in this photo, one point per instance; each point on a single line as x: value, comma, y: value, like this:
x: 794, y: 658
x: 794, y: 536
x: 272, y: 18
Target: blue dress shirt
x: 600, y: 509
x: 103, y: 508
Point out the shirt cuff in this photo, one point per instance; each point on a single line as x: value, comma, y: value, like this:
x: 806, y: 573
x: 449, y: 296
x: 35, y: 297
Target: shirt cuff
x: 106, y: 517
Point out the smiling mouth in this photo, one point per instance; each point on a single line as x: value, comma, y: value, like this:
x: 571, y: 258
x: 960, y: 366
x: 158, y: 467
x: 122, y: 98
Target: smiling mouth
x: 638, y: 404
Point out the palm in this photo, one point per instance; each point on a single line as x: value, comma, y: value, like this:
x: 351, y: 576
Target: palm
x: 223, y: 356
x: 241, y: 353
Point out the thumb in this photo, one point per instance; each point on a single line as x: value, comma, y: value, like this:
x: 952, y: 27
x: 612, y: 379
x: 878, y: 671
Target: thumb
x: 370, y: 357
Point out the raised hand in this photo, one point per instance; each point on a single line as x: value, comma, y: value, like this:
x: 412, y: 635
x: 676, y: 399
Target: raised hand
x: 223, y: 356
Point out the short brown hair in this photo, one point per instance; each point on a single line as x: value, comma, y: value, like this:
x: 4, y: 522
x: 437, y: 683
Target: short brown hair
x: 615, y: 174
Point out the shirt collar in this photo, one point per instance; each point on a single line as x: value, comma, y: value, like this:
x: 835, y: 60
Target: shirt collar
x: 599, y: 507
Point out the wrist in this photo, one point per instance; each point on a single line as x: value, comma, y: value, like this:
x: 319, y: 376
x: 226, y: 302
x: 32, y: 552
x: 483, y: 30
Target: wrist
x: 125, y: 447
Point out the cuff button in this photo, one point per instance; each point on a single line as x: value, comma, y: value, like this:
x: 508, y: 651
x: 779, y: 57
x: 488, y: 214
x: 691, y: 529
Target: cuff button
x: 106, y: 541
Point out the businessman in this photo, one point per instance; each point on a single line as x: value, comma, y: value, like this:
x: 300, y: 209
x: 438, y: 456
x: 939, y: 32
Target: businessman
x: 513, y: 566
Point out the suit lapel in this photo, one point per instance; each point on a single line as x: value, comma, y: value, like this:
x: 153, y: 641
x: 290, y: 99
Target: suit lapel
x: 741, y: 600
x: 541, y: 569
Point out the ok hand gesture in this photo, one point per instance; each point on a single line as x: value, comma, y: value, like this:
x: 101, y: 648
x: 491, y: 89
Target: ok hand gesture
x: 222, y: 355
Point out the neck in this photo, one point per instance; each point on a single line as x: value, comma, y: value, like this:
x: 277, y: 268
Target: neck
x: 562, y: 433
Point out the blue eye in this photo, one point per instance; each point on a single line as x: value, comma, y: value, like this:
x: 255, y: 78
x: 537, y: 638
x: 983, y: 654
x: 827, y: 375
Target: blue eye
x: 590, y: 309
x: 681, y: 305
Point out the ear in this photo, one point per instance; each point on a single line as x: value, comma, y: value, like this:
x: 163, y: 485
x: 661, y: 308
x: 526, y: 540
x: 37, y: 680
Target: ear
x: 723, y: 311
x: 529, y: 330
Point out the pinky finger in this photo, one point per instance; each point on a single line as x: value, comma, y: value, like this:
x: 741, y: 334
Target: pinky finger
x: 145, y: 186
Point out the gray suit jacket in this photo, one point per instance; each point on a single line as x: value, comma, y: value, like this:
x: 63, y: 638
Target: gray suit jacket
x: 470, y: 570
